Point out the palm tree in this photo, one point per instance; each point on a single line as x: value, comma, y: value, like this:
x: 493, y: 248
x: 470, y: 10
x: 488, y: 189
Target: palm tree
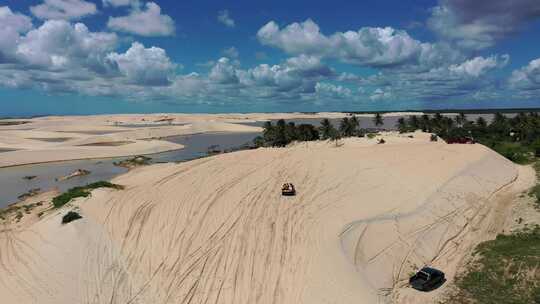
x: 378, y: 120
x: 355, y: 124
x: 460, y: 119
x: 307, y: 132
x: 499, y: 118
x: 437, y: 122
x: 345, y: 126
x: 457, y: 118
x: 290, y: 132
x: 281, y: 134
x: 401, y: 125
x: 481, y: 122
x: 269, y: 133
x: 426, y: 123
x: 448, y: 122
x: 335, y: 135
x: 463, y: 118
x: 349, y: 126
x: 326, y: 129
x: 500, y: 124
x: 414, y: 124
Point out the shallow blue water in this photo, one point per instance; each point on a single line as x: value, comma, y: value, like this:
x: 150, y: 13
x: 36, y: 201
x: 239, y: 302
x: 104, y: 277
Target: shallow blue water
x: 13, y: 184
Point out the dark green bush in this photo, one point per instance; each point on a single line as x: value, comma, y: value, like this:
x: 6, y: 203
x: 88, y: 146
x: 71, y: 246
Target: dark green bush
x: 72, y: 193
x: 70, y: 217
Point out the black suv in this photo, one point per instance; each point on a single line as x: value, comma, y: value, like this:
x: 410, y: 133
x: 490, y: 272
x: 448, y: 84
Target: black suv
x: 427, y: 279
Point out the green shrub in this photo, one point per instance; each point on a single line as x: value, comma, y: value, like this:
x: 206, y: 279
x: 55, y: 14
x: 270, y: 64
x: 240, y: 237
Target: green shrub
x: 72, y: 193
x: 258, y: 141
x: 70, y: 217
x: 103, y: 184
x: 371, y: 135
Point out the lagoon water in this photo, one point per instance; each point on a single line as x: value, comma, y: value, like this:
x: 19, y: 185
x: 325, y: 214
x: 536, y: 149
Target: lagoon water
x: 13, y: 184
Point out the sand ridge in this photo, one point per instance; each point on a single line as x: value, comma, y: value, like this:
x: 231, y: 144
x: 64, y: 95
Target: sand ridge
x: 217, y: 230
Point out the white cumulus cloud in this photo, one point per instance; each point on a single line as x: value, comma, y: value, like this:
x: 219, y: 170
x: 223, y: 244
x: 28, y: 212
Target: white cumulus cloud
x: 59, y: 44
x: 369, y: 46
x: 144, y: 22
x: 224, y: 72
x: 144, y: 66
x: 328, y: 90
x: 526, y: 80
x: 63, y: 9
x: 11, y: 26
x: 479, y: 65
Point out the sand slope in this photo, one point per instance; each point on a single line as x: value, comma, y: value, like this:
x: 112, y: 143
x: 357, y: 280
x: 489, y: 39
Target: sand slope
x: 217, y: 230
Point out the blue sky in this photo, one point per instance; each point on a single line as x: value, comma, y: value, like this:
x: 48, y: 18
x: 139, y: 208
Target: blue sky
x: 111, y: 56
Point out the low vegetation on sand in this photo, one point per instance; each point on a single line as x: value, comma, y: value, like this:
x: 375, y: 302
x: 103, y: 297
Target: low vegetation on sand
x: 506, y: 271
x: 13, y: 123
x: 133, y: 162
x: 30, y: 193
x: 535, y: 191
x: 84, y: 191
x: 18, y: 210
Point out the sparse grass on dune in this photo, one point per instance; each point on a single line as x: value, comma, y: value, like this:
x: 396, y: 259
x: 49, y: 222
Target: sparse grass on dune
x: 84, y: 191
x: 18, y: 210
x: 515, y: 152
x: 507, y: 271
x: 535, y: 192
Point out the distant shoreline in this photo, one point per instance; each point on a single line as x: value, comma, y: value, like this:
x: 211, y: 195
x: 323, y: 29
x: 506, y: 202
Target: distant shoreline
x: 427, y: 111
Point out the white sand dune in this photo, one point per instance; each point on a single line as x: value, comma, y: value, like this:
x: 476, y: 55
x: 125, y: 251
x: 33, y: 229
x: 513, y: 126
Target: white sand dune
x: 36, y: 142
x: 217, y: 230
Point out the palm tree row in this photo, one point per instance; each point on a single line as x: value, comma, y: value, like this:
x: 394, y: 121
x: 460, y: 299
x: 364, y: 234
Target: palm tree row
x: 282, y: 133
x: 514, y: 137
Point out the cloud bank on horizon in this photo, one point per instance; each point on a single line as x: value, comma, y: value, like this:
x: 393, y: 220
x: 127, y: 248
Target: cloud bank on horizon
x: 119, y: 49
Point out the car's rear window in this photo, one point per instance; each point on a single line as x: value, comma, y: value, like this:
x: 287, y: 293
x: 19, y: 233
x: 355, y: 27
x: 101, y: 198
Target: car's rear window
x: 422, y: 275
